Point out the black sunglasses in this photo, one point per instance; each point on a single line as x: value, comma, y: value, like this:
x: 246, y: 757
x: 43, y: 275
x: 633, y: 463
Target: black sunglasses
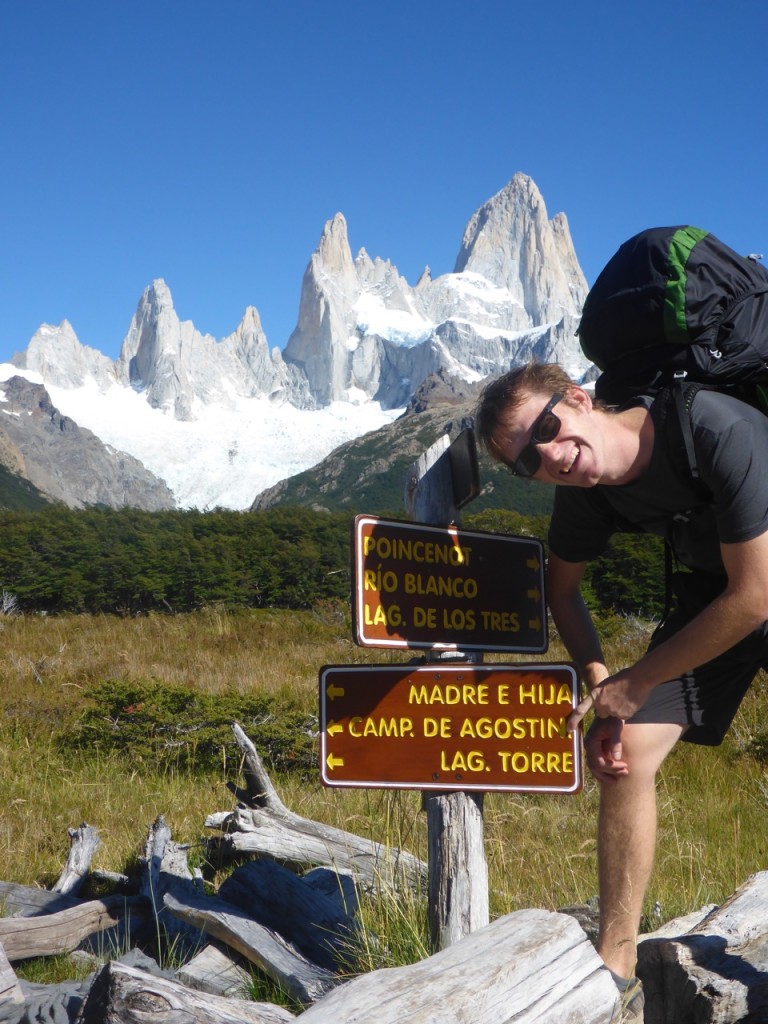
x: 545, y: 429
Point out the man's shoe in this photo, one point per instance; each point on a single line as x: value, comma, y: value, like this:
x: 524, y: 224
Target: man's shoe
x: 631, y: 1008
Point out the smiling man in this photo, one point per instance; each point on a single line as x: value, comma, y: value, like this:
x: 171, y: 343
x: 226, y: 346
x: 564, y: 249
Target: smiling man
x: 625, y: 469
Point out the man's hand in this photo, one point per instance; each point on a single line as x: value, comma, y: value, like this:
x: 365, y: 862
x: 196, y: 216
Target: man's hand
x: 613, y: 700
x: 617, y: 696
x: 602, y: 748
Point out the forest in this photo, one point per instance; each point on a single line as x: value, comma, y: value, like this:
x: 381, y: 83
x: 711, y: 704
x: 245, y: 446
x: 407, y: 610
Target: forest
x: 130, y: 562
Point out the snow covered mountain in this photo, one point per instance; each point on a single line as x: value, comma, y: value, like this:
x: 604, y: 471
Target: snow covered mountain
x: 220, y: 421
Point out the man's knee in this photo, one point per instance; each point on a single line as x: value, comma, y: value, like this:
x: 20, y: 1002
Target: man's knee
x: 645, y: 747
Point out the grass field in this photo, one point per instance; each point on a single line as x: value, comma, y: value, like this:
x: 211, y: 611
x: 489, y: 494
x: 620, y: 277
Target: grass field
x: 65, y: 758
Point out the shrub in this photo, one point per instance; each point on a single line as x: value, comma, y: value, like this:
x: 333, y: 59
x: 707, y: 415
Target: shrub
x: 151, y: 723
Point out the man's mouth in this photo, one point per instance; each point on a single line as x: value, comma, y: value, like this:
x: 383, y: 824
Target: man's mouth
x: 569, y: 466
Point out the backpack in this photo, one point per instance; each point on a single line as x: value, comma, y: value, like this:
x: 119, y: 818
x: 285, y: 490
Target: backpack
x: 675, y: 304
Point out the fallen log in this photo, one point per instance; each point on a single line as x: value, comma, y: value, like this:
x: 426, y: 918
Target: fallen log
x: 300, y: 979
x: 270, y: 829
x: 530, y: 967
x: 63, y: 931
x: 286, y: 903
x: 124, y: 995
x: 718, y: 970
x: 29, y: 901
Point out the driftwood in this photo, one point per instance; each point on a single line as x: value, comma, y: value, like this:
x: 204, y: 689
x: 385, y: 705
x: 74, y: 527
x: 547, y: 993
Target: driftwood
x: 530, y: 966
x: 269, y: 829
x: 167, y: 873
x: 124, y: 995
x: 716, y: 972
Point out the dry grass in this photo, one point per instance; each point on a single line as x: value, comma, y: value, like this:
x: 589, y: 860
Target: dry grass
x: 540, y: 849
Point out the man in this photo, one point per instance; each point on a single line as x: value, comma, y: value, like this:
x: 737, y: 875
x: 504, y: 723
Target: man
x: 623, y: 468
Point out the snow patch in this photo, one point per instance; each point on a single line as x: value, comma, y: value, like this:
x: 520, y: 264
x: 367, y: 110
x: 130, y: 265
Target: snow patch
x: 225, y: 457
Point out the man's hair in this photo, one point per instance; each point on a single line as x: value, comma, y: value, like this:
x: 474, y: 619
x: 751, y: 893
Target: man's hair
x: 504, y: 394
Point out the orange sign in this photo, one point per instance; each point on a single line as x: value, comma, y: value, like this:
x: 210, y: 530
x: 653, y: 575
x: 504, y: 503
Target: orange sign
x: 447, y: 588
x: 494, y: 727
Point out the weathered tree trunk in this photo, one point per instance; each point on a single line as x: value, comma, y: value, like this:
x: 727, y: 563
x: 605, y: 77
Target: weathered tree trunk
x: 84, y: 841
x: 716, y: 973
x: 530, y: 967
x: 167, y: 873
x: 124, y: 995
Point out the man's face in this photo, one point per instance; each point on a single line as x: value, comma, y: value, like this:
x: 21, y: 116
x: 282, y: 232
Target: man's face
x: 562, y: 435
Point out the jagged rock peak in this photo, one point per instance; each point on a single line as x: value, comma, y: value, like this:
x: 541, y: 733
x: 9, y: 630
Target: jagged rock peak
x: 512, y: 243
x: 61, y: 360
x: 333, y: 251
x: 178, y: 368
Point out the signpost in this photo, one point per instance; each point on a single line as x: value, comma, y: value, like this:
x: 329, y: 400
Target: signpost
x: 451, y: 729
x: 439, y: 726
x: 447, y: 588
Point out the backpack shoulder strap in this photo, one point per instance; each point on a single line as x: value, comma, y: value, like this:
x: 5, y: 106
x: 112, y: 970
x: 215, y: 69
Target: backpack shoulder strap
x: 684, y: 394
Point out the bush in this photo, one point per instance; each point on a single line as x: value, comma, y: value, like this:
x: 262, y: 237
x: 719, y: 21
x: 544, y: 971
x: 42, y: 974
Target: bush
x: 151, y: 723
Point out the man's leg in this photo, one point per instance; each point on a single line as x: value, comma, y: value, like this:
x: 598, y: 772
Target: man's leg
x: 626, y: 841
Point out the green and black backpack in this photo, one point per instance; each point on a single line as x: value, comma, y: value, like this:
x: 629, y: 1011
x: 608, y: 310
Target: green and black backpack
x: 675, y: 306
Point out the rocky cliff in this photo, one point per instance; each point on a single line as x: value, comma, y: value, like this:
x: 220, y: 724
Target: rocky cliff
x: 65, y: 462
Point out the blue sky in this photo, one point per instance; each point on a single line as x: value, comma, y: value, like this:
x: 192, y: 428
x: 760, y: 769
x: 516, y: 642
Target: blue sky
x: 208, y: 141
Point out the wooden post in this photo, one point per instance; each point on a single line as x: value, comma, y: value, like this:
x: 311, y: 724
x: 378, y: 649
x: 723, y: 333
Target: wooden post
x: 458, y: 871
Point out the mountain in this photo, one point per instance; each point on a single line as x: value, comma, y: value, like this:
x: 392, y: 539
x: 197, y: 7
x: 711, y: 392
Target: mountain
x: 222, y: 421
x: 367, y: 474
x: 65, y: 462
x: 516, y: 293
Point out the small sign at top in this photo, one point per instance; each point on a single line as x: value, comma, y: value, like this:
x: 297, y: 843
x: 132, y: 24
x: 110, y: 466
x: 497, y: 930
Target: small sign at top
x: 447, y: 588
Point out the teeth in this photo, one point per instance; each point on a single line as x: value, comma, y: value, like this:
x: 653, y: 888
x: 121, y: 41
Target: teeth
x: 575, y: 456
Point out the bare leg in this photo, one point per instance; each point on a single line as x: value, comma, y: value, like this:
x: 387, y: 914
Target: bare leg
x: 626, y: 841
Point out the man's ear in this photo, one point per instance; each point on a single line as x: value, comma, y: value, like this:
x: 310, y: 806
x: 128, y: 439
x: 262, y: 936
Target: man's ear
x: 578, y: 397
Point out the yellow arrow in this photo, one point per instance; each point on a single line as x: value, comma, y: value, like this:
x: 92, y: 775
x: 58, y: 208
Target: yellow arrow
x: 534, y: 624
x: 334, y: 762
x: 333, y: 728
x: 335, y: 691
x: 533, y: 563
x: 534, y: 594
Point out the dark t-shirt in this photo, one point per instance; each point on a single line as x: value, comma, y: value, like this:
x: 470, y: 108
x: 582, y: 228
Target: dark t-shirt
x: 728, y: 505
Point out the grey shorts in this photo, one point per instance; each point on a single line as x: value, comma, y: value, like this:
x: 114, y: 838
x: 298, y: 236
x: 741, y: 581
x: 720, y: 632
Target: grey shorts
x: 706, y: 699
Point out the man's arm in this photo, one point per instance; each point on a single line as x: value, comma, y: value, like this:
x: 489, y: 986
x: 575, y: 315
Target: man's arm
x: 572, y: 618
x: 741, y: 608
x: 577, y: 631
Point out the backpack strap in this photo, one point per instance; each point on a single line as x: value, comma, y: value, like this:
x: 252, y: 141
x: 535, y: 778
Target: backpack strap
x: 684, y: 394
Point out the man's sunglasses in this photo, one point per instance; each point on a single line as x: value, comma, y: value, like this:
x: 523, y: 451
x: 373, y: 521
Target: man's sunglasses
x: 545, y: 429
